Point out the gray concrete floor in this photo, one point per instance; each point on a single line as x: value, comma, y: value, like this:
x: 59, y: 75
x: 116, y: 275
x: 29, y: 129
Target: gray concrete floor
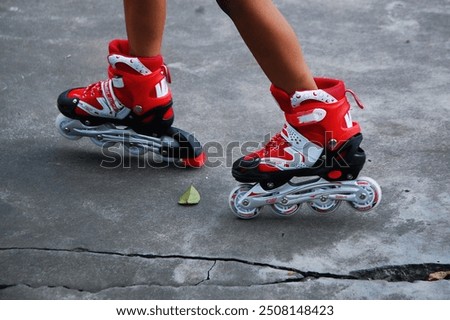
x: 70, y: 228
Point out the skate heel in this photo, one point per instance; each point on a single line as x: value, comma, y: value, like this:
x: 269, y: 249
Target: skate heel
x: 189, y: 152
x: 345, y: 163
x: 355, y: 165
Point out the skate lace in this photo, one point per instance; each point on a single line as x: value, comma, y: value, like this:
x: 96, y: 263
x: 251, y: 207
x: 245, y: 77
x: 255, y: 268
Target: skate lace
x: 93, y: 89
x: 275, y: 143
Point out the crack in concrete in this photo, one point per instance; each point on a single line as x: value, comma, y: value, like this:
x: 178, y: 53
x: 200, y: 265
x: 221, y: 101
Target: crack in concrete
x: 208, y: 275
x: 6, y: 286
x: 402, y: 273
x: 399, y: 273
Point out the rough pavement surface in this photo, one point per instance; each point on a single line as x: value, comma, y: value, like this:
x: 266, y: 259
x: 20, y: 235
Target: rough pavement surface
x: 75, y: 226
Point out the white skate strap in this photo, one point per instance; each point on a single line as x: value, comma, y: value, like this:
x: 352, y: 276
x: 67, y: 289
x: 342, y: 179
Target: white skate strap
x: 108, y: 93
x: 111, y: 107
x: 129, y: 61
x: 105, y: 112
x: 303, y: 153
x: 319, y: 95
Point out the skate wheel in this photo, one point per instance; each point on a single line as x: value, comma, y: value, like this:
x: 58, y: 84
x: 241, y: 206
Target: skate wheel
x: 98, y: 141
x: 324, y: 204
x: 284, y: 211
x: 370, y: 197
x: 65, y: 126
x: 239, y: 210
x: 327, y: 207
x: 134, y: 149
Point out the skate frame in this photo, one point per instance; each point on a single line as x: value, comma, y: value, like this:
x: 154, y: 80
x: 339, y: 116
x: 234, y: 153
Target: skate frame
x: 312, y: 190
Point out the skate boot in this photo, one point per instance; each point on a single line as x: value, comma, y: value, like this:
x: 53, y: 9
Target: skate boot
x: 132, y: 107
x: 319, y: 139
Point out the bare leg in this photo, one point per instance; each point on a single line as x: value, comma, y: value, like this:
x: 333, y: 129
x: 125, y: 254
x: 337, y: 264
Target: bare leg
x: 145, y: 20
x: 272, y: 41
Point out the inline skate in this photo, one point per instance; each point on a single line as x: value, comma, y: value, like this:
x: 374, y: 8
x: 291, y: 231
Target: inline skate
x: 319, y: 140
x: 132, y: 107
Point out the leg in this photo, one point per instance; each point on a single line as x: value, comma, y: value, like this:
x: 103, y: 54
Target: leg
x: 272, y: 41
x: 145, y: 20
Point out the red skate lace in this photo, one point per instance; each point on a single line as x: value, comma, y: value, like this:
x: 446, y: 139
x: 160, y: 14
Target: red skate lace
x: 276, y: 142
x: 93, y: 89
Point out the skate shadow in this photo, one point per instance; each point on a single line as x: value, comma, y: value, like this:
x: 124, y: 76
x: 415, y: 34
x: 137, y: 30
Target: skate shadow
x: 310, y: 228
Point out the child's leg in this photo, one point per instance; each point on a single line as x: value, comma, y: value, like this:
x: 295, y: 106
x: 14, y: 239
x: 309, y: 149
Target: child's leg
x: 272, y: 41
x: 145, y: 20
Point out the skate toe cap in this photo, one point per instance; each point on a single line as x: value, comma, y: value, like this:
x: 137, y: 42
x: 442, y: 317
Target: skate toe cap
x: 67, y: 102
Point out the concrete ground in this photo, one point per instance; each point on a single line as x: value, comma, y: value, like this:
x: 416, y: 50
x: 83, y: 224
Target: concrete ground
x: 73, y: 227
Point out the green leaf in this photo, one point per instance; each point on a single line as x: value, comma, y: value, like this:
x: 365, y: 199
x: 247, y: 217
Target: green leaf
x: 190, y: 197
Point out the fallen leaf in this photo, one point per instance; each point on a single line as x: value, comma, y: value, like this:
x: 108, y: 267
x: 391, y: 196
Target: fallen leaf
x: 440, y: 275
x: 190, y: 197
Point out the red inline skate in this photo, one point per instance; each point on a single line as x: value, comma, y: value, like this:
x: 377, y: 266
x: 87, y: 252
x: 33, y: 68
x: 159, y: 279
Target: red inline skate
x: 319, y: 139
x: 132, y: 107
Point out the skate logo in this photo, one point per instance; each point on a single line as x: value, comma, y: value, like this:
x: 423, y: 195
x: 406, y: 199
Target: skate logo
x: 162, y: 88
x: 271, y: 201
